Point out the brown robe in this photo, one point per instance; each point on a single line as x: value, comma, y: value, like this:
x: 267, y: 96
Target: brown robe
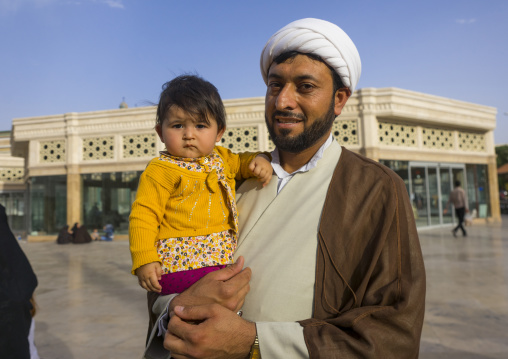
x: 369, y: 297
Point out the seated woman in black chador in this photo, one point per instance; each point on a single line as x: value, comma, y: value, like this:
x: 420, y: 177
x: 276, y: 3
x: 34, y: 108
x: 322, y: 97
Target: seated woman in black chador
x: 80, y: 234
x: 64, y: 236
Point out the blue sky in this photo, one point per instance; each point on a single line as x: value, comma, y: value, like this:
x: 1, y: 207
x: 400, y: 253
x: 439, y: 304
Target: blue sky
x: 59, y: 56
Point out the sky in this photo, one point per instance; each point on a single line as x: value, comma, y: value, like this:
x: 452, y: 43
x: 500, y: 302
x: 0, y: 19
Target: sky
x: 59, y: 56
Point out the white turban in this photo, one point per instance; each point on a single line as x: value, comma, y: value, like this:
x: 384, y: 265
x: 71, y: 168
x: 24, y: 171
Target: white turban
x: 318, y: 37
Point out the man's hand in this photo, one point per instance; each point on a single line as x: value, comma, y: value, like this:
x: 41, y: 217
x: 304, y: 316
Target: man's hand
x: 149, y: 276
x: 220, y: 333
x: 262, y: 169
x: 227, y: 287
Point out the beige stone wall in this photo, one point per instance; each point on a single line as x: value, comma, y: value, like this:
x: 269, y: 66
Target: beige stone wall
x: 386, y: 123
x: 12, y: 169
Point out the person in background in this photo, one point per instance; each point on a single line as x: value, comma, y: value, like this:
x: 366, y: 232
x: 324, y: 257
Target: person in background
x: 95, y: 235
x: 80, y: 234
x: 17, y: 286
x: 459, y: 200
x: 109, y: 233
x: 65, y: 235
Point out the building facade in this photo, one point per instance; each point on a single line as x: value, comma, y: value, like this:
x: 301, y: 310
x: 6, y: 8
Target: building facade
x: 12, y: 185
x: 85, y: 167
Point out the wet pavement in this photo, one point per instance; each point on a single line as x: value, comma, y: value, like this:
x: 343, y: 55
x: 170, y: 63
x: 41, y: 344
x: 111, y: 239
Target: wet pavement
x: 90, y: 307
x: 467, y: 293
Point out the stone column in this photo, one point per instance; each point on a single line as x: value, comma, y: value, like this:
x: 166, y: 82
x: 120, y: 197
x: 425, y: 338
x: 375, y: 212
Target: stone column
x: 73, y: 195
x: 495, y: 209
x: 368, y: 125
x: 73, y: 153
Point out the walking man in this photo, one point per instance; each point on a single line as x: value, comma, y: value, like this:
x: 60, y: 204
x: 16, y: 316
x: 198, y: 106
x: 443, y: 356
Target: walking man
x: 459, y: 200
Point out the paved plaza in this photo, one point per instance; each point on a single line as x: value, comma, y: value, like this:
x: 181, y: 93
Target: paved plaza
x: 90, y: 307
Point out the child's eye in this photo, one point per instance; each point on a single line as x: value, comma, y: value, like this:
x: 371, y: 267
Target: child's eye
x: 201, y: 125
x: 177, y: 125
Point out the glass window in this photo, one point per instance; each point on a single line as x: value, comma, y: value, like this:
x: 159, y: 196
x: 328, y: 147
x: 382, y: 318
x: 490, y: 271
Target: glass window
x: 14, y: 203
x: 107, y: 199
x: 419, y: 196
x: 48, y: 204
x: 446, y: 188
x: 435, y: 212
x: 478, y: 190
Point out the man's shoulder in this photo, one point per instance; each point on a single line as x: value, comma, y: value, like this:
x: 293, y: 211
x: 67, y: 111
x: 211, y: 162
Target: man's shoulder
x: 458, y: 190
x: 355, y: 162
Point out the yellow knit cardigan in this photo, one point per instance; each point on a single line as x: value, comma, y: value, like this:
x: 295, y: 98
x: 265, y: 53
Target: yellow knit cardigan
x: 172, y: 202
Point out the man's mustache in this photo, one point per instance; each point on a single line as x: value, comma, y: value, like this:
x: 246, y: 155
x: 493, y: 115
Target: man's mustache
x: 289, y: 114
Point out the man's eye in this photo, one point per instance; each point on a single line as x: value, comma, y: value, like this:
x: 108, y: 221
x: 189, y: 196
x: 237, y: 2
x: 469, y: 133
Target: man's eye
x: 306, y: 87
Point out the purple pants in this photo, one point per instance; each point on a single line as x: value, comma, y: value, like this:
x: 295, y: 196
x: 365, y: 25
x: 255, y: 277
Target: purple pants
x: 179, y: 281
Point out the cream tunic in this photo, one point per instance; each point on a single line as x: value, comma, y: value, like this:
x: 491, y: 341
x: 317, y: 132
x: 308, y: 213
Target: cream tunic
x: 275, y: 227
x: 283, y: 226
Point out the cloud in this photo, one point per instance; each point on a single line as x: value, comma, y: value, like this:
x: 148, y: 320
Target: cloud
x: 115, y: 4
x: 465, y: 21
x: 14, y: 5
x: 10, y: 6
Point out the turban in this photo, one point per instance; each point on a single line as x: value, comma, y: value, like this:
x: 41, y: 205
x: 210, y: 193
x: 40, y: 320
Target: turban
x: 317, y: 37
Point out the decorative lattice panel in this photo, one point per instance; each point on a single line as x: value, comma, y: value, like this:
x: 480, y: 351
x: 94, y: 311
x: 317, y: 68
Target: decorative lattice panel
x: 14, y: 174
x: 139, y: 145
x: 240, y: 139
x: 346, y: 132
x: 471, y: 142
x: 397, y: 134
x: 271, y: 145
x: 98, y: 148
x: 436, y: 138
x: 52, y: 151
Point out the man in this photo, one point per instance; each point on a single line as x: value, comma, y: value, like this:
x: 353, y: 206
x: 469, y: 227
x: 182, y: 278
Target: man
x: 336, y: 268
x: 458, y: 198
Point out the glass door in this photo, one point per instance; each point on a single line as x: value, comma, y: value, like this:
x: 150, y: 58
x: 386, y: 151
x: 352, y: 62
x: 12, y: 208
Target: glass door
x: 434, y: 205
x: 430, y: 187
x: 446, y: 188
x: 419, y: 196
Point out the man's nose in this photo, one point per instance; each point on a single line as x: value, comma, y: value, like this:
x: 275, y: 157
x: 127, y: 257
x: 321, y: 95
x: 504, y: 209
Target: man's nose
x: 286, y: 99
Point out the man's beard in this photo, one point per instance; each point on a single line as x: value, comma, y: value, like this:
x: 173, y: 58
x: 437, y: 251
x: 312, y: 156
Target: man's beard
x: 307, y: 138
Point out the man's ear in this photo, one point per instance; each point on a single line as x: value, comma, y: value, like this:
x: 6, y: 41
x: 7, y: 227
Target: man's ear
x: 219, y: 134
x: 158, y: 129
x: 341, y: 97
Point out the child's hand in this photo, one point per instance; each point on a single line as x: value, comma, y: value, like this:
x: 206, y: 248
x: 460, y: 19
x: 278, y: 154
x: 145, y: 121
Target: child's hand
x: 261, y: 168
x: 149, y: 276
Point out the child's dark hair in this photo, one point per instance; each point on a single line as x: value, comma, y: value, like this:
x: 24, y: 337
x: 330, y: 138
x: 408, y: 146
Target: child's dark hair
x: 194, y: 95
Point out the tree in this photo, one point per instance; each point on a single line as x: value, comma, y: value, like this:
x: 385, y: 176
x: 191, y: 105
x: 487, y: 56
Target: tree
x: 502, y: 155
x: 502, y: 158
